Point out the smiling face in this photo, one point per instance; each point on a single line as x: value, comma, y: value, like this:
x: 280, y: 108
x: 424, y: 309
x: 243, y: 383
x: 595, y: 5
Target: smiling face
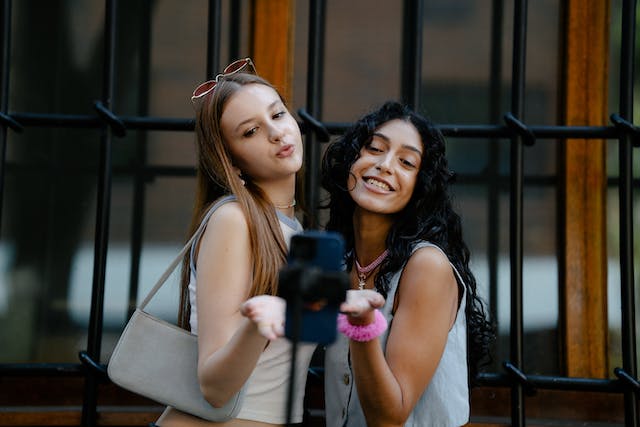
x: 385, y: 174
x: 262, y: 136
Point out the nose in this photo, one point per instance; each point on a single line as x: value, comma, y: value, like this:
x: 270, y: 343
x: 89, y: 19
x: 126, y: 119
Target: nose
x: 384, y: 164
x: 276, y: 133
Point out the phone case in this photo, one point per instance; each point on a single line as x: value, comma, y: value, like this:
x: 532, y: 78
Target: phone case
x: 314, y: 285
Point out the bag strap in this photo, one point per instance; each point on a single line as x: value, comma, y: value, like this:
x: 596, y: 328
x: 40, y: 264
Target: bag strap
x: 182, y: 252
x: 166, y: 274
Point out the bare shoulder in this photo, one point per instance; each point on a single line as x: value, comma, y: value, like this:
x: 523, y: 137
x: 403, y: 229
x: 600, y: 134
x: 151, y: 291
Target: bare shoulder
x: 230, y: 215
x: 429, y: 259
x: 228, y: 230
x: 223, y: 259
x: 228, y: 218
x: 429, y: 271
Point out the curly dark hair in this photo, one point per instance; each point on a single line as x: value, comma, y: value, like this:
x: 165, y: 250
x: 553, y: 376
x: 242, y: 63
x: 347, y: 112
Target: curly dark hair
x: 428, y: 216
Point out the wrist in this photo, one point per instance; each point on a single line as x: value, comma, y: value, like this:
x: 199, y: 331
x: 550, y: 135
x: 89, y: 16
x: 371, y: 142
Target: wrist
x: 362, y: 332
x: 362, y: 320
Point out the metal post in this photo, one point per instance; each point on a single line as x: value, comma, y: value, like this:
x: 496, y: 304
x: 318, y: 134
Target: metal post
x: 494, y: 187
x: 213, y: 37
x: 139, y: 174
x: 625, y: 157
x: 412, y: 52
x: 5, y: 56
x: 234, y: 30
x: 515, y: 207
x: 102, y: 223
x: 314, y: 105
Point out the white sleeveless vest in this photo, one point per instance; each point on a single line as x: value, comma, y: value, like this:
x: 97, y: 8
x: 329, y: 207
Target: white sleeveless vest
x: 445, y: 401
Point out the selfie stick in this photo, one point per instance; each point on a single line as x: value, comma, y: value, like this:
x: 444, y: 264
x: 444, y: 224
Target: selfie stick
x: 296, y: 306
x: 302, y: 283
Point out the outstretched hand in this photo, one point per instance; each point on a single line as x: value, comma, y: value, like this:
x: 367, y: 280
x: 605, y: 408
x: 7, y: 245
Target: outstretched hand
x: 359, y: 305
x: 268, y: 314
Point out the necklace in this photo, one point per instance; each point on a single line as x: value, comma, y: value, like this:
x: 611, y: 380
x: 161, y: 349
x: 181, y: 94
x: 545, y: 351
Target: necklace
x: 363, y: 272
x: 290, y: 205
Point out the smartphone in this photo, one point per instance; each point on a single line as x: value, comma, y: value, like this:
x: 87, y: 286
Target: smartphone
x: 314, y: 284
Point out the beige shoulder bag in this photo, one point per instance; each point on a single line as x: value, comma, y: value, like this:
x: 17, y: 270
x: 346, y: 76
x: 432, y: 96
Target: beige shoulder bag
x: 159, y: 360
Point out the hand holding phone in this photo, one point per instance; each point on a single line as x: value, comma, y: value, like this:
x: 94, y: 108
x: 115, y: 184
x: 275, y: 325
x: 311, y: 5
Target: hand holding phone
x: 314, y: 285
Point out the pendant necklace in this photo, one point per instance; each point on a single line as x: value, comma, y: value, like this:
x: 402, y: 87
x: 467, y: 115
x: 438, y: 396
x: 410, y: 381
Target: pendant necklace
x: 363, y: 272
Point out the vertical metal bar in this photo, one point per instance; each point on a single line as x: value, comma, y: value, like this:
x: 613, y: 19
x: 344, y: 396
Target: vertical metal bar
x: 315, y: 67
x: 515, y: 208
x: 213, y: 37
x: 234, y: 30
x: 5, y: 57
x: 412, y: 52
x: 139, y: 177
x: 102, y: 222
x: 493, y: 166
x: 625, y: 156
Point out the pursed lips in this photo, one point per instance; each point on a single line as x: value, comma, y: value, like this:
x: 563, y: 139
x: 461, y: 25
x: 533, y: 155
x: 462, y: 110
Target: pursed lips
x: 286, y: 150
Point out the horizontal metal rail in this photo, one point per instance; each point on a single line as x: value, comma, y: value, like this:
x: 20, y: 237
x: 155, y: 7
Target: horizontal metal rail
x: 333, y: 128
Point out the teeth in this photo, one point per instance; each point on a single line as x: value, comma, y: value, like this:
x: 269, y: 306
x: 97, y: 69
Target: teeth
x: 378, y: 184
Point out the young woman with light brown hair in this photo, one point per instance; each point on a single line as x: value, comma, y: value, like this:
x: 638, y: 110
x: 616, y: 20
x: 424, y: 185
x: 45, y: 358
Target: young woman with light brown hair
x: 249, y: 152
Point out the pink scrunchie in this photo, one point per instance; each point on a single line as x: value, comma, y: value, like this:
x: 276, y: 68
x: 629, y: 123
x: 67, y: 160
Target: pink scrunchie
x: 365, y: 332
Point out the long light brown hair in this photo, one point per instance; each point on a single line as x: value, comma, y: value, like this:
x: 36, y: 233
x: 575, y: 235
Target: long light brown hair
x: 216, y: 178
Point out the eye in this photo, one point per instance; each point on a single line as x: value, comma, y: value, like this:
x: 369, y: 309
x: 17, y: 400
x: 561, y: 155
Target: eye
x: 373, y: 148
x: 408, y: 163
x: 250, y: 132
x: 279, y: 114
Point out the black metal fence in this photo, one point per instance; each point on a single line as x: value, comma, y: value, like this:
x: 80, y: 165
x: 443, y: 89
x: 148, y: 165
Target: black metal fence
x: 520, y: 134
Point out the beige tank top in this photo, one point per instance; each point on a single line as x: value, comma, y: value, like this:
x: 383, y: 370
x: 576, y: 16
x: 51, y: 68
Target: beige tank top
x: 267, y: 389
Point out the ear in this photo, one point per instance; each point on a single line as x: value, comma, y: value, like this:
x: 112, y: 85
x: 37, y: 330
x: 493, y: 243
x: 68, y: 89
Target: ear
x: 238, y: 172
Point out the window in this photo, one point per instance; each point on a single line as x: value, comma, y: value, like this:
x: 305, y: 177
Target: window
x: 97, y: 176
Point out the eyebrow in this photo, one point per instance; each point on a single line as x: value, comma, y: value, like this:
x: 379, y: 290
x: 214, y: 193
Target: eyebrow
x: 405, y: 146
x: 244, y: 122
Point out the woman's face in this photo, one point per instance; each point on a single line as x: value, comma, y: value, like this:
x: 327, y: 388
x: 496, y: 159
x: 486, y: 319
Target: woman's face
x: 263, y: 138
x: 385, y: 174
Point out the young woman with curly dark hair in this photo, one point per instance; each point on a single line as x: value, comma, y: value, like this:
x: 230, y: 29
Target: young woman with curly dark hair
x: 388, y: 179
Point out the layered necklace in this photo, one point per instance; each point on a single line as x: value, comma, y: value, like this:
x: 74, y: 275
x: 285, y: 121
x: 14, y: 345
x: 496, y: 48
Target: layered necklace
x: 364, y: 272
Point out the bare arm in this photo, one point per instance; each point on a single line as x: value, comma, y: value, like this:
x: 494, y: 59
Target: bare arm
x: 389, y: 385
x: 229, y: 344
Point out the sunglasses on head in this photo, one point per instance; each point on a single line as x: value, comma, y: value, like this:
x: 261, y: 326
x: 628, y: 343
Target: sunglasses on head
x: 207, y: 87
